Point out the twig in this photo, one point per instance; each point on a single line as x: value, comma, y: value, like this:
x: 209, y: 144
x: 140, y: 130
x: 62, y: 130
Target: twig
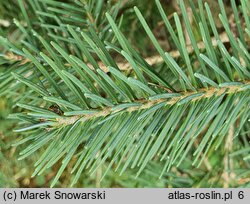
x: 206, y: 160
x: 157, y: 59
x: 145, y: 103
x: 13, y: 57
x: 4, y: 23
x: 125, y: 66
x: 228, y: 174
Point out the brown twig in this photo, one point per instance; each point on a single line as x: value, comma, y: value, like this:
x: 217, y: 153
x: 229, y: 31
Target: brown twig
x: 13, y: 57
x: 228, y: 174
x: 157, y: 59
x: 145, y: 103
x: 206, y: 160
x: 4, y: 23
x: 125, y: 66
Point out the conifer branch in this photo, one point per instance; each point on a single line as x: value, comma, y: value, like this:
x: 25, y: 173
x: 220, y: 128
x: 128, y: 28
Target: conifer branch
x: 96, y: 112
x: 146, y: 104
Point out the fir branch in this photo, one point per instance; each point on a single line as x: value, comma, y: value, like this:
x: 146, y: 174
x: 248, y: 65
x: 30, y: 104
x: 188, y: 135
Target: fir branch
x: 124, y: 118
x: 147, y: 103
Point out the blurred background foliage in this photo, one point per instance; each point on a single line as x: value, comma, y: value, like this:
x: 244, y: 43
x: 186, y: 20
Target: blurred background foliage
x: 15, y: 173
